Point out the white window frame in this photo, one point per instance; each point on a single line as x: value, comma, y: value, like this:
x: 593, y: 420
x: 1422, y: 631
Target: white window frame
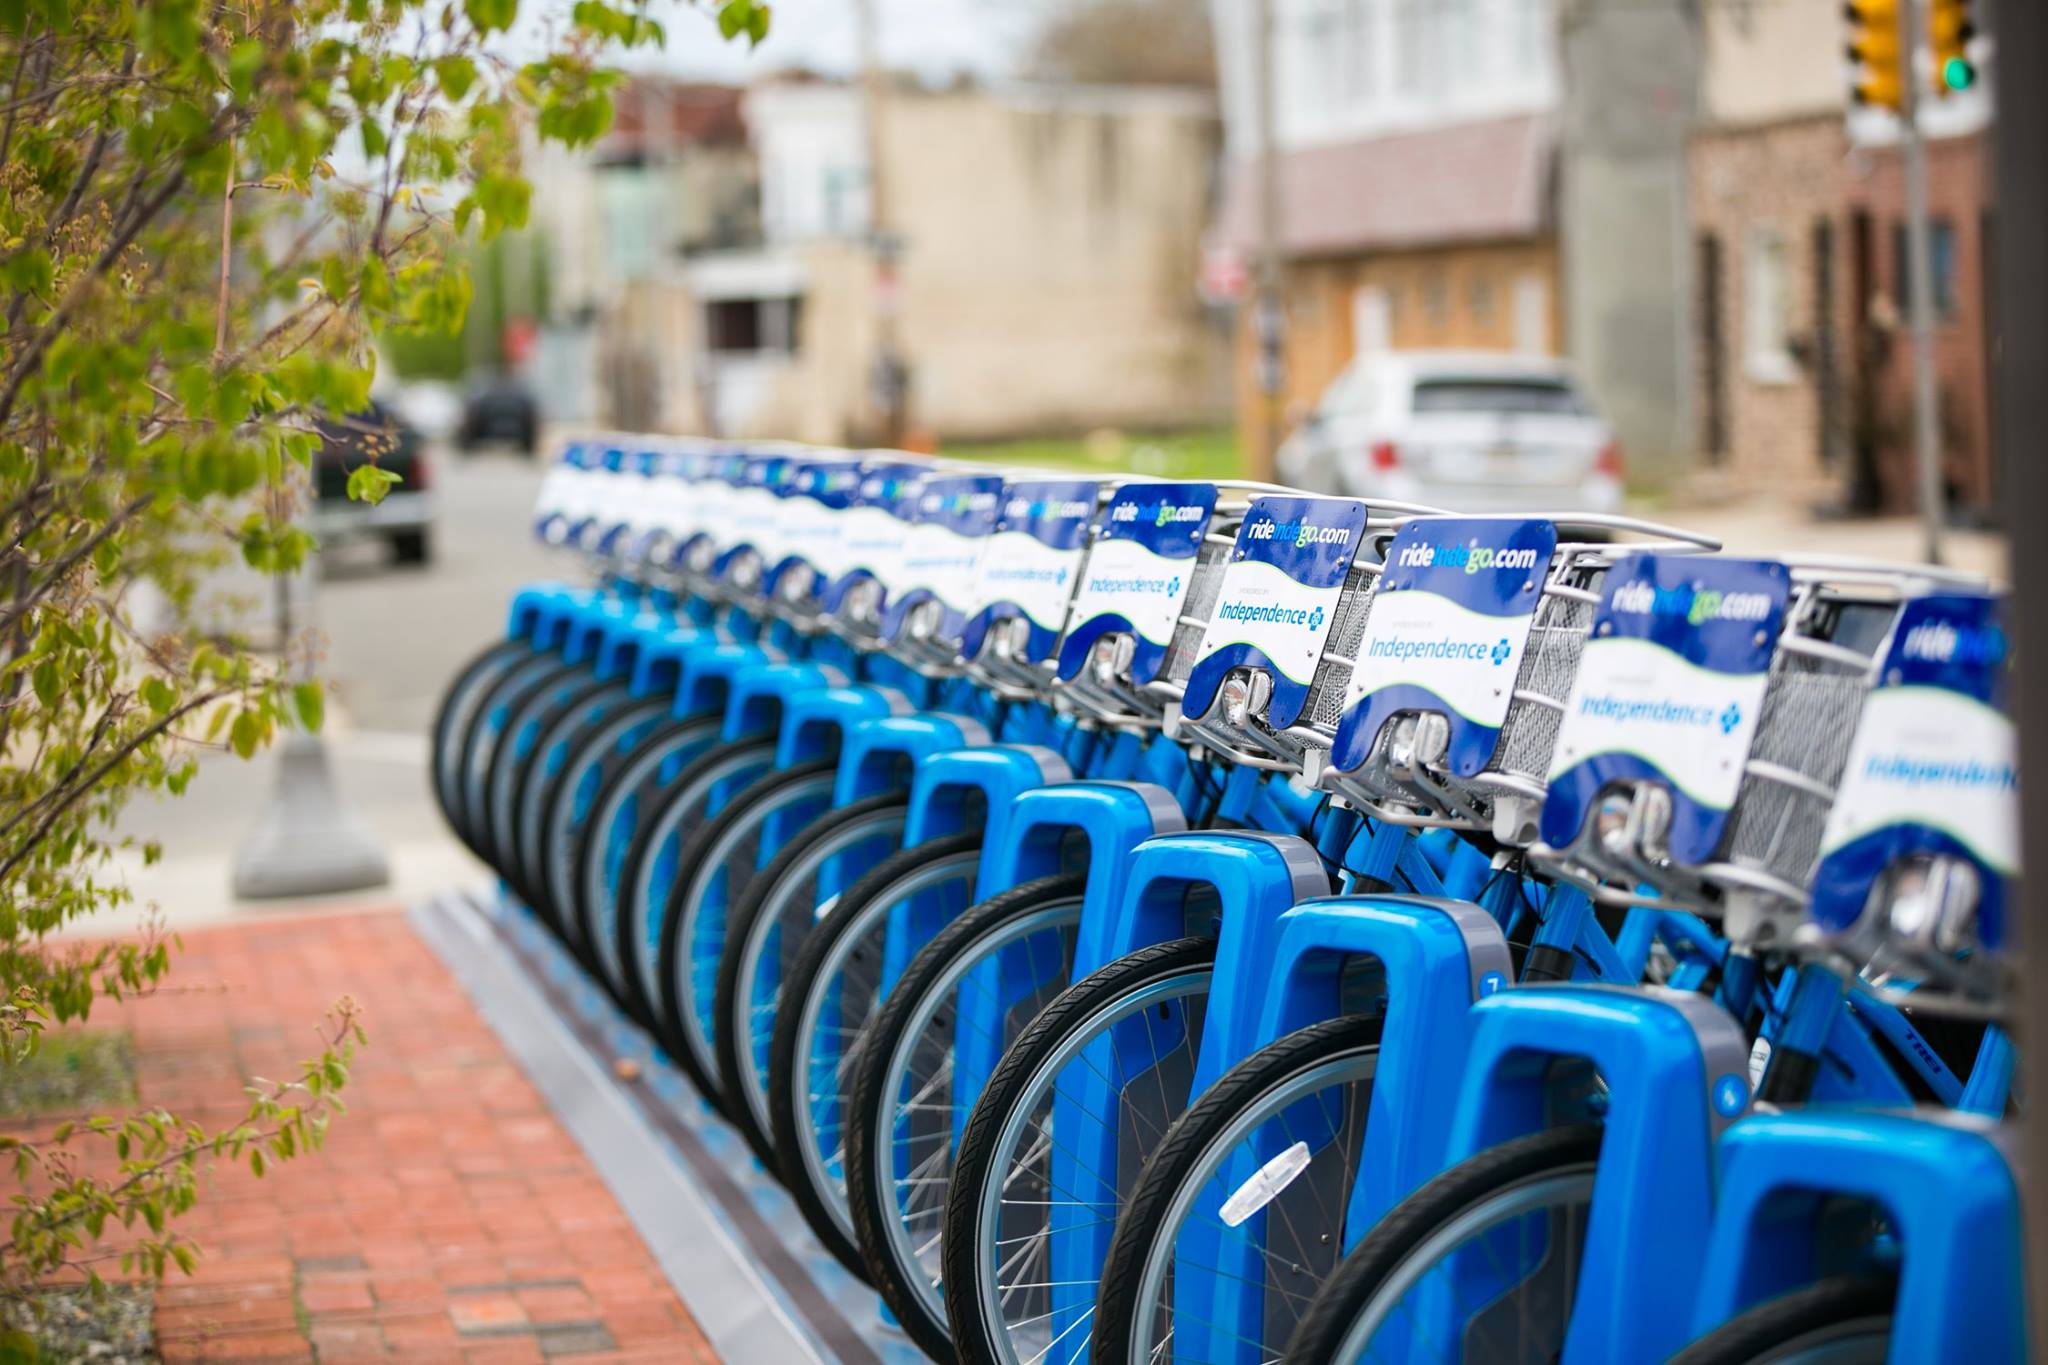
x: 1767, y: 307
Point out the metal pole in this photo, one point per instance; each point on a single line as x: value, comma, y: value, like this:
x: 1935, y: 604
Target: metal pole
x: 2019, y: 88
x: 1920, y: 277
x: 1268, y: 310
x: 887, y: 378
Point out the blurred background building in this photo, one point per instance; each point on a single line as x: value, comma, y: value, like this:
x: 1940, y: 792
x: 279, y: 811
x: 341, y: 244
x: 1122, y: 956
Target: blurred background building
x: 1058, y: 228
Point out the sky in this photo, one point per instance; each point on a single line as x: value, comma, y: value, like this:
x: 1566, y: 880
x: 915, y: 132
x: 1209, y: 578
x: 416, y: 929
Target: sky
x: 936, y: 39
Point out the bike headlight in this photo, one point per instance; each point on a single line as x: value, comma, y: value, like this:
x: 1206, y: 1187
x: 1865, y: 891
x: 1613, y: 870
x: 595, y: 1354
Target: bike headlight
x: 796, y: 583
x: 1933, y: 904
x: 1244, y: 694
x: 1111, y: 657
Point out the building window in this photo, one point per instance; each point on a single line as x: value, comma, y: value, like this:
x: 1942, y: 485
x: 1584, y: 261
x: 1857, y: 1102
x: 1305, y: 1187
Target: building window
x: 1436, y: 301
x: 752, y: 326
x: 1414, y: 47
x: 1767, y: 309
x: 1941, y: 258
x: 1479, y: 299
x: 1361, y: 53
x: 1525, y: 34
x: 1713, y: 371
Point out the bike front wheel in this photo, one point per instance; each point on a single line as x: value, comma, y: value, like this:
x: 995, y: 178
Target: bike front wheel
x: 832, y: 992
x: 1480, y: 1264
x: 942, y: 1029
x: 1054, y: 1147
x: 1239, y: 1217
x: 768, y: 926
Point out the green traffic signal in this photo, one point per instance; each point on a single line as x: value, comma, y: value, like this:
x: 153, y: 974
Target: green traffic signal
x: 1958, y: 74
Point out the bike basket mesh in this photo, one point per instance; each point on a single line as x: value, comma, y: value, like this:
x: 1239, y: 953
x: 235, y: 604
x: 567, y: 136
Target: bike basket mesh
x: 1205, y: 584
x: 1810, y: 708
x: 1557, y: 637
x: 1340, y: 650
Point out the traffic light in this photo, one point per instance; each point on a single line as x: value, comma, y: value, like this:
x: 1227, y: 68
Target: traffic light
x: 1875, y: 48
x: 1949, y: 31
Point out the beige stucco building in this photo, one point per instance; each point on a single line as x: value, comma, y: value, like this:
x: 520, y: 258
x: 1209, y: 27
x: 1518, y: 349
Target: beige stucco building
x: 1038, y: 270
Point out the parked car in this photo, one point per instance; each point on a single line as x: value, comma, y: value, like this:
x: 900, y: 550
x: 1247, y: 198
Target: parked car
x: 1469, y: 431
x: 405, y: 518
x: 432, y: 407
x: 501, y: 409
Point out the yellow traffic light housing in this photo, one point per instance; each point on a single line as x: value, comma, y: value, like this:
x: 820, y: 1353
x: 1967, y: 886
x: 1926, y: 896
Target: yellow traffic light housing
x: 1949, y: 30
x: 1876, y: 49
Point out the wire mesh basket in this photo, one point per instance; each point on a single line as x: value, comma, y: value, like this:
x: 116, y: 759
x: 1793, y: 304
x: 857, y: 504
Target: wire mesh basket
x: 1758, y: 867
x: 1409, y: 756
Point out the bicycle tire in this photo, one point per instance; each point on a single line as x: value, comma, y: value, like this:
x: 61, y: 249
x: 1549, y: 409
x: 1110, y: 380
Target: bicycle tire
x: 520, y: 778
x: 683, y: 977
x: 675, y: 821
x: 452, y: 719
x: 730, y: 1002
x: 870, y: 1193
x: 1843, y: 1310
x: 1416, y: 1230
x: 486, y: 731
x: 793, y: 1123
x: 975, y: 1336
x: 596, y: 749
x: 1187, y: 1158
x: 637, y: 785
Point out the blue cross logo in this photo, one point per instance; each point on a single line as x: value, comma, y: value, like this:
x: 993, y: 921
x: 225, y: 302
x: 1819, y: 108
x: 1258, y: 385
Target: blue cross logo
x: 1501, y: 652
x: 1315, y: 619
x: 1731, y: 718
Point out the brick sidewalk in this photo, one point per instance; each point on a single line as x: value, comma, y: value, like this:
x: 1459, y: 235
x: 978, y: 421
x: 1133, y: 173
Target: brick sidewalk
x: 449, y: 1216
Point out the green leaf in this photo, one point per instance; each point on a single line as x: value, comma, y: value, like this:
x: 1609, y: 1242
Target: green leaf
x: 245, y: 736
x: 368, y: 483
x: 456, y: 74
x: 489, y: 15
x: 309, y: 700
x: 158, y: 695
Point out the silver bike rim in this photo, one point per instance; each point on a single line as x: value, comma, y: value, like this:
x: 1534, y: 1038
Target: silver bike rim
x: 988, y: 1268
x: 722, y: 848
x: 818, y: 1163
x: 760, y: 1014
x: 1347, y: 1070
x: 602, y: 897
x: 561, y: 869
x: 910, y: 1257
x: 639, y: 905
x: 476, y: 778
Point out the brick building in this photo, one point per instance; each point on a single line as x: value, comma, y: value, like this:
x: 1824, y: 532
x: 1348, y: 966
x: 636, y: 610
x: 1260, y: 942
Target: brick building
x: 1801, y: 358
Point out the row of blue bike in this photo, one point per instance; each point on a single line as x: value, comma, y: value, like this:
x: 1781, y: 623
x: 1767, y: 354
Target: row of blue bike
x: 1201, y: 921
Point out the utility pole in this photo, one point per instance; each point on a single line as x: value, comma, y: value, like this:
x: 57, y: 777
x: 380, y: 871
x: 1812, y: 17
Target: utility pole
x: 890, y: 379
x: 1920, y: 277
x: 2019, y: 417
x: 1268, y: 310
